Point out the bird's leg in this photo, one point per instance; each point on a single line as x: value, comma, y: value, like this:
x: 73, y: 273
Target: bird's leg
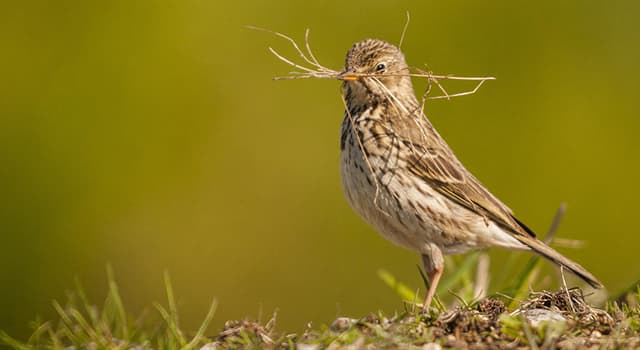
x: 433, y: 280
x: 434, y: 267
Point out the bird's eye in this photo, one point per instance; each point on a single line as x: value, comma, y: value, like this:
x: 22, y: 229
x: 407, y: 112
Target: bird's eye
x: 380, y: 67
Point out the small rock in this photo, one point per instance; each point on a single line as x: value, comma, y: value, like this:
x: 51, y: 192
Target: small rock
x: 210, y: 346
x: 537, y: 316
x: 431, y: 346
x: 306, y: 347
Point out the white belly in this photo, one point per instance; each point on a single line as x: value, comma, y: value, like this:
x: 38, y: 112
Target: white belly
x: 409, y: 213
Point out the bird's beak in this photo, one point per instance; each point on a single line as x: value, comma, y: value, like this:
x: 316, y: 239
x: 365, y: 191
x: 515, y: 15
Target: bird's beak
x: 347, y: 76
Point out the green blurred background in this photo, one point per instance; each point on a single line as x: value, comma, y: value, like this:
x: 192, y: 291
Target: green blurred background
x: 150, y: 135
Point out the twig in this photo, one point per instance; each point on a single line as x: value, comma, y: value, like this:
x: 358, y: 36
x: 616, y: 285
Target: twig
x: 404, y: 30
x: 447, y: 96
x: 306, y: 42
x: 564, y: 285
x: 311, y: 61
x: 317, y: 70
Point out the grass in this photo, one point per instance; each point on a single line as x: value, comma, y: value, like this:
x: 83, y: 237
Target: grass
x: 463, y: 318
x: 82, y: 325
x: 541, y: 320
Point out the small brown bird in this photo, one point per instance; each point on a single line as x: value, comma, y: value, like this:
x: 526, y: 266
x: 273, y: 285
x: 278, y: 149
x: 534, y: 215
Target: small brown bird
x: 402, y: 178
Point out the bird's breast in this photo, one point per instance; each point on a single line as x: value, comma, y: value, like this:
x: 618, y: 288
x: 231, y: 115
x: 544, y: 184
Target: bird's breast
x: 401, y: 206
x: 374, y: 186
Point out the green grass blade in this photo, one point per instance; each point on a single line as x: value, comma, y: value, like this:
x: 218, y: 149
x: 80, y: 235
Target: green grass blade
x: 82, y: 322
x: 114, y: 294
x: 13, y: 343
x: 56, y: 342
x: 520, y: 289
x: 173, y: 309
x: 37, y: 334
x: 67, y: 325
x: 403, y: 291
x: 622, y: 295
x: 89, y: 309
x: 173, y: 328
x: 526, y: 278
x: 462, y: 272
x: 203, y: 327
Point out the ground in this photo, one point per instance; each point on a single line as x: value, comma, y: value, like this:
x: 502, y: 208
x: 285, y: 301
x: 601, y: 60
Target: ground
x: 560, y: 320
x: 544, y: 320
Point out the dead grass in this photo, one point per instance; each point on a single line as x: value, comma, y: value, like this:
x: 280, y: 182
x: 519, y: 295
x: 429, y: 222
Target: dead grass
x: 311, y: 68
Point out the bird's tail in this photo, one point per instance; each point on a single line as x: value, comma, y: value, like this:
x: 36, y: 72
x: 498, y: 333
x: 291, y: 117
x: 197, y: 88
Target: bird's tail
x: 557, y: 258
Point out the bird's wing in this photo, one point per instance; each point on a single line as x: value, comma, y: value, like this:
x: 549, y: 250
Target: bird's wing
x: 435, y: 163
x: 431, y: 159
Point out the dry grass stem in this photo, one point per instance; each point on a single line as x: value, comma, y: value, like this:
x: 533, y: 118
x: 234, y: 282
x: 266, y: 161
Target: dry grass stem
x: 404, y: 30
x: 557, y: 219
x: 311, y: 68
x: 561, y: 242
x: 568, y: 243
x: 566, y: 289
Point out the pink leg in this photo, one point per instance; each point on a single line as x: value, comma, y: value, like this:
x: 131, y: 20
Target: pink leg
x: 434, y: 278
x: 434, y: 267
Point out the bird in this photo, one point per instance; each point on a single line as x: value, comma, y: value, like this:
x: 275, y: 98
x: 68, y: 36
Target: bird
x: 402, y: 178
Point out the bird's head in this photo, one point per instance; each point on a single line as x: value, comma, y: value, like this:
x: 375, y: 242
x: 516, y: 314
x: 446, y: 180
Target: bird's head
x: 375, y: 69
